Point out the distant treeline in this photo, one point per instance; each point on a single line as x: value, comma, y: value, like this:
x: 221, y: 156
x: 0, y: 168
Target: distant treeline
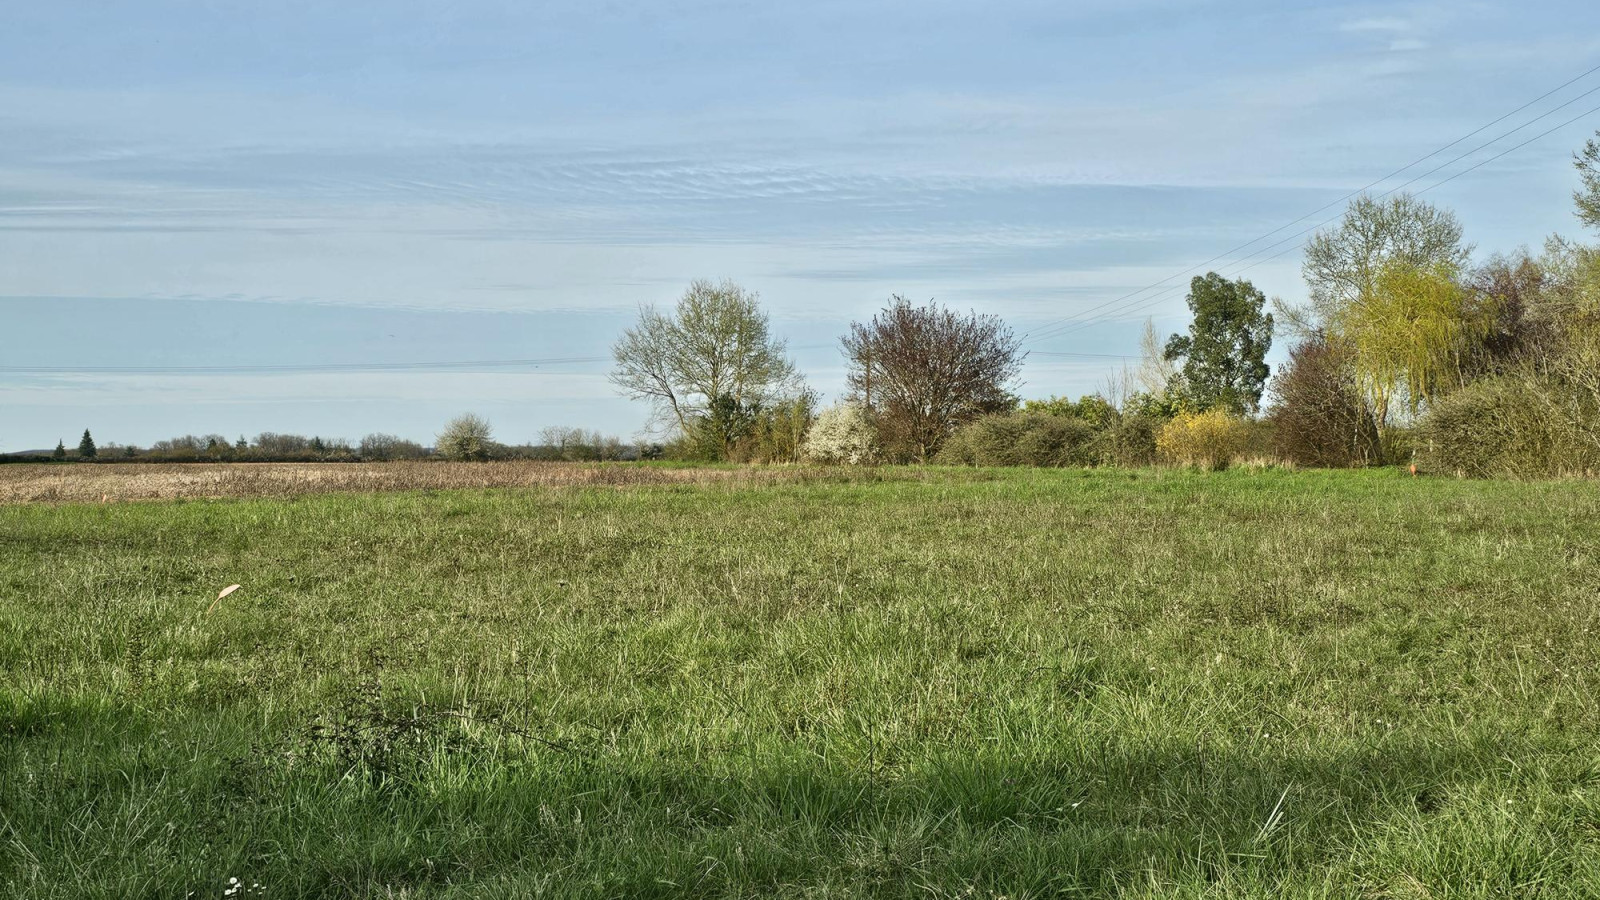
x: 556, y: 444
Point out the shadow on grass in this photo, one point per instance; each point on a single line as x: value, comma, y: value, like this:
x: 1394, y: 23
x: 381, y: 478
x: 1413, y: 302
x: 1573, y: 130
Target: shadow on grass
x: 164, y: 811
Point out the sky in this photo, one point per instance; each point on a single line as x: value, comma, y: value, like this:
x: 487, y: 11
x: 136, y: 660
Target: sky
x: 215, y: 186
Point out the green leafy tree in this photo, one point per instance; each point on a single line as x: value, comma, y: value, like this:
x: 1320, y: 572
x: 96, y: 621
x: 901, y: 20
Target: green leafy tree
x: 60, y: 451
x: 1342, y: 264
x: 1225, y: 350
x: 86, y: 448
x: 1588, y: 197
x: 709, y: 364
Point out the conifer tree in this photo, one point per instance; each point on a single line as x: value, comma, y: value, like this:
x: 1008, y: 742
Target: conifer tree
x: 86, y: 448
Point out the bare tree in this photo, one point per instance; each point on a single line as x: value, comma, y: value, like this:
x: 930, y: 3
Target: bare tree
x: 713, y: 352
x: 1342, y: 265
x: 922, y: 371
x: 1151, y: 377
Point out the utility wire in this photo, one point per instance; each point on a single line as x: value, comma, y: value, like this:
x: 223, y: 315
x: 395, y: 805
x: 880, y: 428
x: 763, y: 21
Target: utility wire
x: 302, y: 368
x: 1167, y: 293
x: 1052, y: 330
x: 1058, y: 329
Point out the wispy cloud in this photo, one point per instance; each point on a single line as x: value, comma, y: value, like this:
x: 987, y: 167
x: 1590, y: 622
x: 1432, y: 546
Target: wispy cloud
x: 1377, y: 23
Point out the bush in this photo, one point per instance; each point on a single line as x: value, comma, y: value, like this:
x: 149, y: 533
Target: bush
x: 1021, y: 439
x: 842, y: 434
x: 1129, y: 440
x: 1499, y: 426
x: 1211, y: 440
x: 1319, y: 416
x: 1092, y: 409
x: 777, y: 432
x: 1543, y: 419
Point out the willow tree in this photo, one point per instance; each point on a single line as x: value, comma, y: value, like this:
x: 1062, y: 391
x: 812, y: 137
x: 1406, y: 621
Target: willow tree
x: 1406, y: 333
x: 708, y: 365
x: 1342, y: 264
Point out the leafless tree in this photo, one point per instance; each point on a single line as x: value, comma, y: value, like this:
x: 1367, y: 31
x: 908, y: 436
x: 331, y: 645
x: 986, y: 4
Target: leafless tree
x: 714, y: 349
x: 922, y: 371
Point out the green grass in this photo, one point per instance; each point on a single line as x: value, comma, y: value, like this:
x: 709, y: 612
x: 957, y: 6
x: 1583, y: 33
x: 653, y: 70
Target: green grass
x: 945, y: 684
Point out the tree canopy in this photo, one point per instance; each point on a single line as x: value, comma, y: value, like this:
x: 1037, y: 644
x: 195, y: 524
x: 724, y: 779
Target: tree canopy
x: 921, y: 371
x: 707, y: 366
x: 1407, y: 333
x: 1224, y: 353
x: 1341, y: 264
x: 466, y: 437
x: 1587, y: 197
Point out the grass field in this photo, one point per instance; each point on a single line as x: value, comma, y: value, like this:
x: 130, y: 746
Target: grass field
x: 900, y: 684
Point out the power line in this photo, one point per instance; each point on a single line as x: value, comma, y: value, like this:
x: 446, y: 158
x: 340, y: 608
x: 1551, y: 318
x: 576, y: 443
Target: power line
x: 1069, y: 324
x: 1166, y: 293
x: 1080, y: 355
x: 1399, y: 187
x: 303, y: 368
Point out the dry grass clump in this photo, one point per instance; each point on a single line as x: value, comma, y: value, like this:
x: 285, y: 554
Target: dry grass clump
x: 111, y: 482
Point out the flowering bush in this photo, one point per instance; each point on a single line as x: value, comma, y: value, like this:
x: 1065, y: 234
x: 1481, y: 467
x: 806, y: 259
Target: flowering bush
x: 1212, y: 439
x: 842, y: 434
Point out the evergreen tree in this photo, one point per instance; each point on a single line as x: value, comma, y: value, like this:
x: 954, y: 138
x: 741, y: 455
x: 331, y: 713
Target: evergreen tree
x: 86, y: 448
x: 1224, y: 352
x: 61, y: 450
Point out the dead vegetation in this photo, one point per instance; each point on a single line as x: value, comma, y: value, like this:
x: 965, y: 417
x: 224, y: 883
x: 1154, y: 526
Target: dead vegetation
x: 115, y: 482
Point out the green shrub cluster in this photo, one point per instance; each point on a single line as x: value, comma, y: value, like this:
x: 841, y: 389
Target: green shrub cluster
x: 1055, y: 433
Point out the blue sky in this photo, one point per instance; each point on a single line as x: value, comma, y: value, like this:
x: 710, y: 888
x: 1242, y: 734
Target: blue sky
x: 236, y: 184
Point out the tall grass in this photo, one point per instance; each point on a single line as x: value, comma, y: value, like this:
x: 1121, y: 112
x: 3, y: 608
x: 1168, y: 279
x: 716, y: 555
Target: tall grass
x: 1024, y: 683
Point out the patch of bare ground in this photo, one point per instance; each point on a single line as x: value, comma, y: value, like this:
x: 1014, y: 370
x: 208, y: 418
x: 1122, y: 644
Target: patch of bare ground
x: 115, y: 482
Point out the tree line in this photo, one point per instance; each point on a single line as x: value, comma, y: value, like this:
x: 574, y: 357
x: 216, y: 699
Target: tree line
x: 1405, y: 352
x: 466, y: 437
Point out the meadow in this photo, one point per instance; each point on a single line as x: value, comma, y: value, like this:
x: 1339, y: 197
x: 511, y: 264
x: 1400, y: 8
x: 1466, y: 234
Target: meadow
x: 902, y: 682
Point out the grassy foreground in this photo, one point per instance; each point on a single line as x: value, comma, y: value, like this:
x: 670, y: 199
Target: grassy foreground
x: 945, y: 684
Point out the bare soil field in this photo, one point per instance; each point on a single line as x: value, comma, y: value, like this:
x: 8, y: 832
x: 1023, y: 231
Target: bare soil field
x: 115, y: 482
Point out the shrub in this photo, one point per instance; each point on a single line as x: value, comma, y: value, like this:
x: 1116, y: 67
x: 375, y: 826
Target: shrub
x: 1129, y: 440
x: 1092, y: 409
x: 1211, y: 439
x: 466, y: 437
x: 1543, y: 419
x: 778, y: 431
x: 1319, y: 416
x: 1501, y: 426
x: 842, y: 434
x: 1021, y: 439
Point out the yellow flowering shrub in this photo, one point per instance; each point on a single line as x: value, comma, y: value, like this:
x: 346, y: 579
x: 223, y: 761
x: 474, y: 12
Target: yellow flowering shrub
x: 1211, y: 439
